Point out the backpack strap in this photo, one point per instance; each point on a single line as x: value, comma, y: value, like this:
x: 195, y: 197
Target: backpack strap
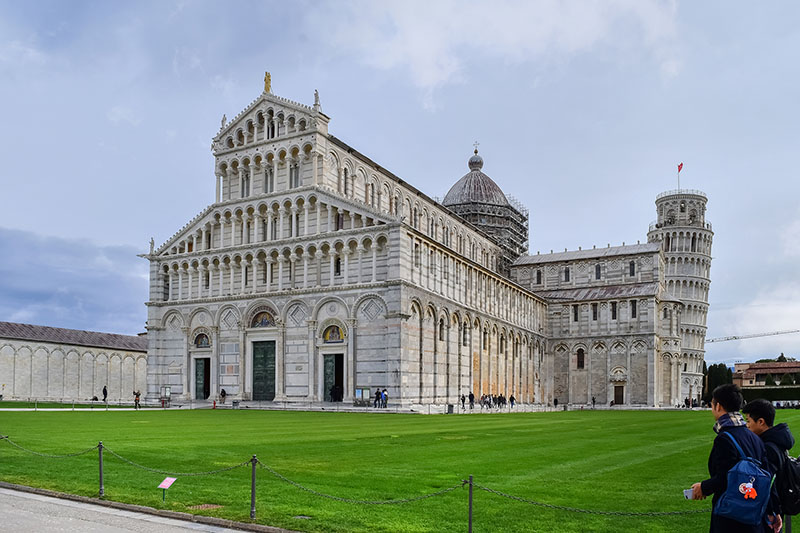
x: 736, y: 444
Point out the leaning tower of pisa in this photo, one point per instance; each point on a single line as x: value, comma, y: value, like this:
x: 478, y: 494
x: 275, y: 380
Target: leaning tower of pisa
x: 686, y: 236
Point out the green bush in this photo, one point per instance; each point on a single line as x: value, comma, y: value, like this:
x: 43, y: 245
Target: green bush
x: 791, y: 392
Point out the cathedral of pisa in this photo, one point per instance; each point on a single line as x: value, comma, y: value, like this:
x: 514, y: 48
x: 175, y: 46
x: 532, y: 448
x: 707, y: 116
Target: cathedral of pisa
x: 316, y: 275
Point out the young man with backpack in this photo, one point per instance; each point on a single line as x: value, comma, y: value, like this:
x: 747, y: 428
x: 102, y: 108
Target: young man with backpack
x: 778, y: 440
x: 733, y: 443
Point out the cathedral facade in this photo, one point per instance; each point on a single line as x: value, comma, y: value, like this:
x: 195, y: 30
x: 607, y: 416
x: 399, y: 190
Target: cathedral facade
x: 316, y: 275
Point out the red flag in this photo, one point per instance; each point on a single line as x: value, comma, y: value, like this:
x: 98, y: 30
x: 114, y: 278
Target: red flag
x: 680, y: 167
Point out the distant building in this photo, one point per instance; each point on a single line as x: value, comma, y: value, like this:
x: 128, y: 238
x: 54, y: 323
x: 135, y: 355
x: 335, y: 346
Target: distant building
x: 57, y: 364
x: 755, y: 374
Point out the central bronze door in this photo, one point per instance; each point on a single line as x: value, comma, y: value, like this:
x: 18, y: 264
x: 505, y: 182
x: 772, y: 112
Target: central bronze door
x: 333, y: 383
x: 202, y: 379
x: 264, y: 370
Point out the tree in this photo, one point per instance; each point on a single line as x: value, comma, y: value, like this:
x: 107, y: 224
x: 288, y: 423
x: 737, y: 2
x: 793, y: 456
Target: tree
x: 769, y: 381
x: 716, y: 375
x: 787, y: 379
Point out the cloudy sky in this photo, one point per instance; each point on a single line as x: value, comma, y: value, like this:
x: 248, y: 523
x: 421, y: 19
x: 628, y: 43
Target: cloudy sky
x: 582, y: 109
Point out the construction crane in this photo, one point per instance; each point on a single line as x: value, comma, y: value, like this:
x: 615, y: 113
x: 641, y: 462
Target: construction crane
x: 752, y: 335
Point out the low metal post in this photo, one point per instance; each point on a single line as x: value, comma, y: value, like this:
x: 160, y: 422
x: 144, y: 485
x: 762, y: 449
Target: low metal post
x: 787, y: 523
x: 253, y: 489
x: 100, y: 453
x: 470, y: 505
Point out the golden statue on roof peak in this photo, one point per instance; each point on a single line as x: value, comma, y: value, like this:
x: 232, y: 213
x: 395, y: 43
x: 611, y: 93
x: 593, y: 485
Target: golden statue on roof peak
x: 267, y: 83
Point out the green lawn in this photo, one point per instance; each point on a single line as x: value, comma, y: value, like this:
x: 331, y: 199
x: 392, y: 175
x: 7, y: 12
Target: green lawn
x: 601, y: 460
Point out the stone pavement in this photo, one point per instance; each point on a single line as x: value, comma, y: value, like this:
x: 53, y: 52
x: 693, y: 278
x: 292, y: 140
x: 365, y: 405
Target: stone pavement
x: 37, y: 511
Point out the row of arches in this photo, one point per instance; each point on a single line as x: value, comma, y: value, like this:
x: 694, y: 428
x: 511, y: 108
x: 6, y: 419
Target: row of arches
x: 609, y: 370
x: 689, y: 241
x: 485, y: 357
x: 688, y: 290
x: 269, y: 123
x: 385, y: 195
x: 438, y: 269
x: 688, y: 266
x: 334, y: 262
x: 270, y: 220
x: 70, y: 373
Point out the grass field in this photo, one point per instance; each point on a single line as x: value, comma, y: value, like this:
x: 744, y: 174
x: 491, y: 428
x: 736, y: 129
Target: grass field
x: 599, y: 460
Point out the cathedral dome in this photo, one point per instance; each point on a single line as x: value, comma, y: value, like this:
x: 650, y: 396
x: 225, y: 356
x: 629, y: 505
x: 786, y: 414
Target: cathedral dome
x: 475, y: 187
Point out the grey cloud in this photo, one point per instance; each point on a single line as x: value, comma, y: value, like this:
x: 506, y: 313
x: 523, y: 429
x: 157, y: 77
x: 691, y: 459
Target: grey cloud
x: 71, y: 283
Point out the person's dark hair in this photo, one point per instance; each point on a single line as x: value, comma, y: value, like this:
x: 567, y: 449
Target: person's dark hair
x: 760, y: 409
x: 729, y: 396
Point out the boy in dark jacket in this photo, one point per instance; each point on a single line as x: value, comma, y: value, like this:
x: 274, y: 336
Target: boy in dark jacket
x: 726, y: 402
x: 777, y: 441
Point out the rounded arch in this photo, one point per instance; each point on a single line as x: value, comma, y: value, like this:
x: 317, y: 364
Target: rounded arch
x: 328, y: 299
x: 258, y: 306
x: 292, y: 304
x: 363, y: 299
x: 221, y: 312
x: 170, y: 316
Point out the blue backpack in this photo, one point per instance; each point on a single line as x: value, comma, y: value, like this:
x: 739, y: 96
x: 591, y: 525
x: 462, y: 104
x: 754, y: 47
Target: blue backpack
x: 745, y: 500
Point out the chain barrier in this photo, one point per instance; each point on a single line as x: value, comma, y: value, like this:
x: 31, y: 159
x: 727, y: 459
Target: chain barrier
x: 588, y: 511
x: 281, y: 477
x: 363, y: 502
x: 49, y: 455
x: 175, y: 474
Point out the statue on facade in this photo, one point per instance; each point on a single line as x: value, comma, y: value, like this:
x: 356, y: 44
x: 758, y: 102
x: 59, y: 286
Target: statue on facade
x: 152, y: 245
x: 224, y: 120
x: 316, y: 99
x: 267, y: 83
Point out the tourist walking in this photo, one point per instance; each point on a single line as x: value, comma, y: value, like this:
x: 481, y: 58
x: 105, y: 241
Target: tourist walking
x: 136, y: 395
x: 378, y: 400
x: 471, y: 400
x: 512, y: 400
x: 384, y: 398
x: 726, y: 401
x: 463, y: 403
x: 105, y: 394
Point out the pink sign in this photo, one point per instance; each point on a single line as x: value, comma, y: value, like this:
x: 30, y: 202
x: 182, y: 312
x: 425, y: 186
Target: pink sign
x: 167, y: 483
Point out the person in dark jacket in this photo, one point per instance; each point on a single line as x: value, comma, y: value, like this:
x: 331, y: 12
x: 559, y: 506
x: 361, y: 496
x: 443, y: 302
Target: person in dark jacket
x: 777, y: 441
x: 726, y: 401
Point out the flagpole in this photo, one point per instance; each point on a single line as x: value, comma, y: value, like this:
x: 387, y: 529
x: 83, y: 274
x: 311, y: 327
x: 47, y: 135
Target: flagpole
x: 679, y: 180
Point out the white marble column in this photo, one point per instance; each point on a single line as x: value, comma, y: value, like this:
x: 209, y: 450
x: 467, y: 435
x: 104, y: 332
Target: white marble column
x: 305, y: 269
x: 281, y: 217
x: 346, y: 253
x: 360, y: 250
x: 305, y: 220
x: 281, y: 260
x: 319, y: 217
x: 269, y: 274
x: 180, y: 283
x: 374, y: 262
x: 244, y: 265
x: 219, y: 178
x: 231, y: 281
x: 332, y: 256
x: 190, y: 271
x: 292, y: 271
x: 295, y: 222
